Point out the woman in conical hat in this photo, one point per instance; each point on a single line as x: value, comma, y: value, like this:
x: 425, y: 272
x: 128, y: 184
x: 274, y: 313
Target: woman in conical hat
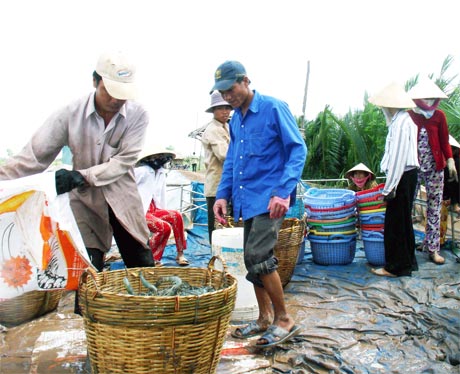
x: 361, y: 178
x: 400, y: 164
x: 151, y: 181
x: 433, y: 152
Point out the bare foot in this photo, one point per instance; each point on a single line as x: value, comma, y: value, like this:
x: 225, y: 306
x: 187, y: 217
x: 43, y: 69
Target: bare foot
x: 383, y: 273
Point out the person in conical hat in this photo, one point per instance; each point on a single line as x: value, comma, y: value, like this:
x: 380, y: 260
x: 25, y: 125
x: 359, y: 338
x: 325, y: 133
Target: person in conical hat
x: 150, y: 176
x: 434, y: 153
x: 400, y: 164
x: 361, y: 178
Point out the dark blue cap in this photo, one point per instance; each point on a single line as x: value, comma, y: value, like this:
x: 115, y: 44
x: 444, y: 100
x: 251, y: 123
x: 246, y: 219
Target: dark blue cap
x: 227, y: 74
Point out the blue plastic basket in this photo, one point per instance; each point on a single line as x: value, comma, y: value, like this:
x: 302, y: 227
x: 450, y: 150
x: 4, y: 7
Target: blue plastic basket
x: 324, y: 198
x: 374, y: 247
x: 372, y: 218
x: 333, y: 251
x: 330, y: 214
x: 323, y: 227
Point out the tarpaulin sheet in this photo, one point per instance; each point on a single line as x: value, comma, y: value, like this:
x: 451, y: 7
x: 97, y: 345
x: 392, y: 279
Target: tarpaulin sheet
x: 356, y: 322
x: 352, y: 322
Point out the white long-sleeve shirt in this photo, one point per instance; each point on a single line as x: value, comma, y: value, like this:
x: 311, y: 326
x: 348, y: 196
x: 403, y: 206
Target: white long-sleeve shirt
x: 151, y: 185
x: 400, y: 150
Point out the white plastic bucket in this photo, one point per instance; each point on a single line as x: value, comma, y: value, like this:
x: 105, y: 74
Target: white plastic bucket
x: 228, y: 243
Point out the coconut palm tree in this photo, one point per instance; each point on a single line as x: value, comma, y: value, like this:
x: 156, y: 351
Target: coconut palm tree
x: 336, y: 144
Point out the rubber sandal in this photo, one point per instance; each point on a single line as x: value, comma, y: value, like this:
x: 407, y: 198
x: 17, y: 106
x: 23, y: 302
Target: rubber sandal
x: 182, y: 261
x: 276, y: 335
x: 248, y: 331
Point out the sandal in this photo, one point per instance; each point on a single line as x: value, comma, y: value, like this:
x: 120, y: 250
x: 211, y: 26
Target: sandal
x: 248, y: 331
x: 276, y: 335
x: 182, y: 261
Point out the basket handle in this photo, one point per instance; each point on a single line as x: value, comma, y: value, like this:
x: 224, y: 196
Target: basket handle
x: 371, y: 234
x: 211, y: 267
x: 341, y: 237
x: 212, y: 261
x: 381, y: 216
x: 336, y: 236
x: 92, y: 274
x: 313, y: 192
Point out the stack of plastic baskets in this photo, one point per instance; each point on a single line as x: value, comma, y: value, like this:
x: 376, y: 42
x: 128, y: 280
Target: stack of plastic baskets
x: 371, y: 213
x: 331, y: 218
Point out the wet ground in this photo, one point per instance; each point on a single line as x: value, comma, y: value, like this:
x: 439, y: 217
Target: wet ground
x: 352, y: 322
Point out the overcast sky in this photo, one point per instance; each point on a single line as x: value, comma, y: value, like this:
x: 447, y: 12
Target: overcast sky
x: 50, y: 48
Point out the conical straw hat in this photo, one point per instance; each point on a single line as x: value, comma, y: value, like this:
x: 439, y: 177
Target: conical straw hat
x: 453, y: 142
x: 392, y: 96
x: 155, y: 150
x: 360, y: 167
x: 426, y: 89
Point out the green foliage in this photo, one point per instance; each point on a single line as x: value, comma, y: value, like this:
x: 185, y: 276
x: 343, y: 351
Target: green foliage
x: 335, y: 144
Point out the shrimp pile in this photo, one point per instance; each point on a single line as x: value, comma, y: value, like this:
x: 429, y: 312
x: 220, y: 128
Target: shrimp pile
x: 166, y: 286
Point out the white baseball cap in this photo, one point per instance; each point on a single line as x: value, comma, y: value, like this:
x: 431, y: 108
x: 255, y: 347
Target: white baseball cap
x: 118, y: 75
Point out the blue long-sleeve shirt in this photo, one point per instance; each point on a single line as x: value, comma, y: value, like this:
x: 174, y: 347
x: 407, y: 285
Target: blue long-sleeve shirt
x: 265, y: 157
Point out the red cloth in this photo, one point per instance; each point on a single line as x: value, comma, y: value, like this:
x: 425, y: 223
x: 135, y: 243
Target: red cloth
x: 438, y: 135
x: 160, y: 223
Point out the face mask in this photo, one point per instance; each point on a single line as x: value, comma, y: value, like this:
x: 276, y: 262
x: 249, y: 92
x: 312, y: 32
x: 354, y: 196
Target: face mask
x: 427, y: 104
x: 157, y: 162
x: 360, y: 182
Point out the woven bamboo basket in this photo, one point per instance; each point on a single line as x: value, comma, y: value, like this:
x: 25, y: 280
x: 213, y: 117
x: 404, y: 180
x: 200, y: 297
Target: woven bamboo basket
x: 290, y: 238
x: 156, y: 334
x: 28, y: 306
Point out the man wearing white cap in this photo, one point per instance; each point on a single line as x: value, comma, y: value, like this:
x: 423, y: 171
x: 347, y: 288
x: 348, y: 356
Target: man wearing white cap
x: 215, y: 141
x: 400, y: 164
x: 433, y: 151
x: 105, y: 132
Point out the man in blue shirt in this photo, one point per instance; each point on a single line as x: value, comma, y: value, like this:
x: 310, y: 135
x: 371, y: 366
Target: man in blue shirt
x: 264, y: 163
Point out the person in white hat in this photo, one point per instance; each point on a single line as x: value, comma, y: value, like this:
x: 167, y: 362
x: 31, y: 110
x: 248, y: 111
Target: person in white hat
x: 433, y: 151
x: 215, y: 141
x: 361, y: 178
x: 105, y: 132
x: 400, y: 164
x: 150, y: 176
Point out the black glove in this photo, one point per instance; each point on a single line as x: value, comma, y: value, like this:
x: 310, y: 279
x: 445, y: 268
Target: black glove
x: 68, y: 180
x: 390, y: 196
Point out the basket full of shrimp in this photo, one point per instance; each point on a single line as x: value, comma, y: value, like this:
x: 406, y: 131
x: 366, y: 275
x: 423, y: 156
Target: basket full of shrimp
x: 157, y: 320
